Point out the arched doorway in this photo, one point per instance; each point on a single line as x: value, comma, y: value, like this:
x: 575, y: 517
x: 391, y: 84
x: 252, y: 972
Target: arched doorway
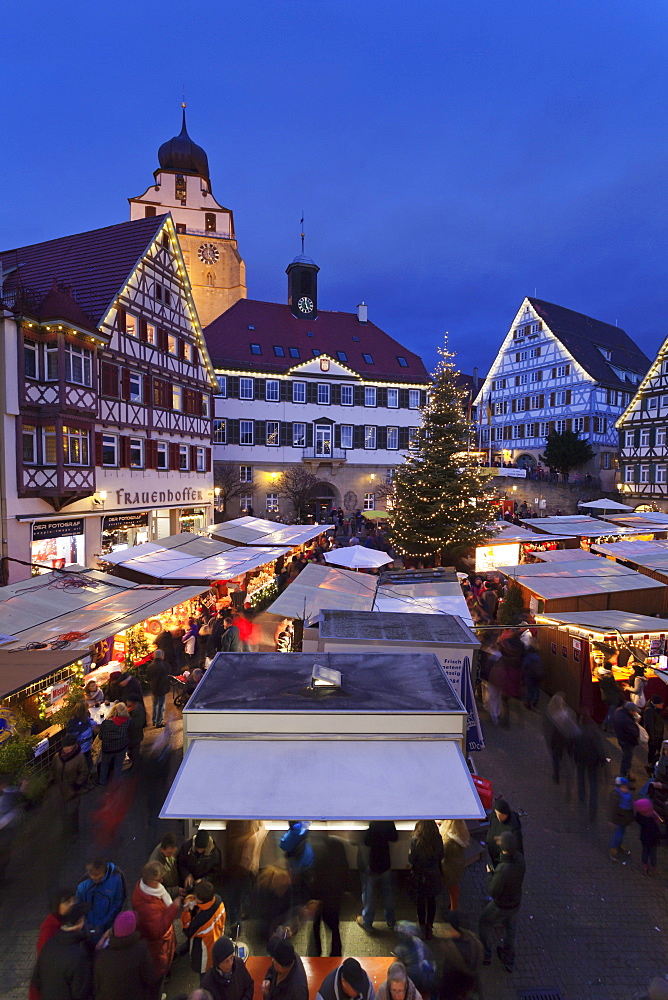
x: 525, y: 462
x: 324, y: 497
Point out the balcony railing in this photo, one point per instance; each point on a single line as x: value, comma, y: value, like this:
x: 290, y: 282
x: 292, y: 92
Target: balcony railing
x: 325, y: 453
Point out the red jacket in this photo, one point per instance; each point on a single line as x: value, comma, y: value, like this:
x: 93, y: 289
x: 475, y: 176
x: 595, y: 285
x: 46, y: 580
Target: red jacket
x: 50, y: 926
x: 155, y: 924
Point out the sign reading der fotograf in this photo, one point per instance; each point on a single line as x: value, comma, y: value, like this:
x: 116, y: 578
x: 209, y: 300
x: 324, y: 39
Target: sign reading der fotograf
x: 57, y: 529
x: 114, y: 522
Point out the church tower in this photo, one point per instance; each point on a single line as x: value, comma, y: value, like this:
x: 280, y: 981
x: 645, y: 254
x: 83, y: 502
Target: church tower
x: 205, y: 229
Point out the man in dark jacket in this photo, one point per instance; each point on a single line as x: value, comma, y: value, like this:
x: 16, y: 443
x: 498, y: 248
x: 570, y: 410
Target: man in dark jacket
x: 228, y: 978
x: 124, y: 967
x: 611, y: 693
x: 230, y: 641
x: 137, y: 724
x: 64, y: 968
x: 130, y: 686
x: 348, y: 982
x: 164, y: 641
x: 502, y: 820
x: 285, y: 978
x: 489, y: 602
x: 589, y: 753
x: 652, y: 720
x: 329, y: 878
x: 505, y: 888
x: 159, y: 684
x: 199, y: 858
x: 625, y: 721
x: 376, y: 872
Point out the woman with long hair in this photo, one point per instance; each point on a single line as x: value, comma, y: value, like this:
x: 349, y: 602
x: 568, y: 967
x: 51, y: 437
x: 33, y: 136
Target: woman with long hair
x: 456, y: 838
x: 424, y: 856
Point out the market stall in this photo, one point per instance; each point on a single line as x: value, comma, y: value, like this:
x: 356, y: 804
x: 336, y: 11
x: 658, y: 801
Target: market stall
x: 588, y: 531
x: 256, y: 531
x: 563, y: 555
x: 648, y: 558
x: 512, y: 545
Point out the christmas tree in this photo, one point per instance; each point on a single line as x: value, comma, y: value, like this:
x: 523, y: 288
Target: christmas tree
x: 511, y: 607
x: 438, y: 499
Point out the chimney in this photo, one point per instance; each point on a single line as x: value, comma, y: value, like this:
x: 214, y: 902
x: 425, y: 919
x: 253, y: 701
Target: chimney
x: 362, y: 310
x: 475, y: 378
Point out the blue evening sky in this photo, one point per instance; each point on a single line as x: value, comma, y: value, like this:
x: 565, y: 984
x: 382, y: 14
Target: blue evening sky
x: 450, y: 157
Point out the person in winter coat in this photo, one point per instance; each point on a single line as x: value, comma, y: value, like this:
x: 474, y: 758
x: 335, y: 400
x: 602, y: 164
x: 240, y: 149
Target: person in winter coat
x: 398, y: 986
x: 114, y: 737
x: 652, y: 720
x: 348, y: 982
x: 505, y: 888
x: 589, y: 754
x: 70, y: 776
x: 650, y: 833
x: 508, y: 671
x: 122, y: 967
x: 636, y: 686
x: 104, y: 891
x: 230, y: 640
x: 203, y: 922
x: 61, y: 903
x: 93, y: 695
x: 81, y: 727
x: 164, y: 641
x: 190, y: 643
x: 298, y: 852
x: 64, y: 968
x: 611, y: 693
x: 199, y: 858
x: 130, y: 686
x: 456, y: 838
x: 156, y: 912
x: 532, y: 674
x: 375, y: 868
x: 560, y: 729
x: 228, y: 978
x: 285, y: 979
x: 136, y: 726
x: 502, y: 820
x: 463, y: 955
x: 625, y: 721
x: 424, y: 856
x: 621, y: 816
x: 159, y: 685
x: 165, y: 852
x: 328, y: 882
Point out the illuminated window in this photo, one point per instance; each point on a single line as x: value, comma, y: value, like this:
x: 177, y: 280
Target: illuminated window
x: 299, y: 435
x: 413, y: 399
x: 346, y: 436
x: 392, y: 437
x: 49, y: 446
x: 184, y: 457
x: 369, y: 437
x: 220, y: 432
x: 273, y: 429
x: 369, y: 501
x: 75, y: 446
x: 131, y: 325
x: 177, y: 397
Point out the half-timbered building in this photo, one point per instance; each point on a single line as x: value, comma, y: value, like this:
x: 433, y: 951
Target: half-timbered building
x: 558, y: 370
x: 107, y: 395
x: 643, y: 453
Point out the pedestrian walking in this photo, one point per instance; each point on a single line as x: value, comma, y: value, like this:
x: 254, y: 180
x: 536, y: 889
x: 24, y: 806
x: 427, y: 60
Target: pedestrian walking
x: 114, y: 738
x: 203, y: 922
x: 103, y: 890
x: 621, y: 816
x: 456, y: 838
x: 505, y: 888
x: 299, y: 855
x: 64, y: 968
x: 463, y: 955
x: 611, y: 693
x: 650, y: 833
x: 636, y: 686
x: 81, y: 727
x: 625, y: 722
x: 589, y: 753
x: 136, y: 726
x: 425, y: 854
x: 375, y: 869
x: 328, y: 882
x: 652, y: 720
x: 502, y: 820
x: 69, y: 770
x: 532, y: 674
x: 561, y: 729
x: 122, y: 967
x: 156, y: 912
x: 159, y: 686
x: 61, y: 902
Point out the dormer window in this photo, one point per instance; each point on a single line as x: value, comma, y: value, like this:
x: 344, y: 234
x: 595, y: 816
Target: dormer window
x: 402, y: 362
x: 279, y: 351
x: 255, y: 349
x: 368, y: 359
x: 341, y: 356
x: 316, y: 352
x: 294, y: 352
x: 606, y: 353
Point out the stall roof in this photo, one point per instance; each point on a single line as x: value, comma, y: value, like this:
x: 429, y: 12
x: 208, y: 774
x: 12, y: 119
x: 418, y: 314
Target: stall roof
x: 194, y: 545
x: 637, y: 524
x: 418, y: 628
x: 174, y: 566
x: 557, y: 586
x: 640, y: 552
x: 122, y: 555
x: 604, y: 505
x: 319, y: 587
x: 636, y: 516
x: 574, y: 568
x: 577, y: 525
x: 257, y: 531
x: 329, y: 780
x: 609, y: 621
x: 18, y: 668
x: 566, y: 555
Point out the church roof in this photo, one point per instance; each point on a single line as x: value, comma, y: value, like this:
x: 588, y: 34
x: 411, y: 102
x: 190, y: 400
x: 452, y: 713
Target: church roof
x: 271, y: 324
x: 95, y: 265
x: 582, y: 336
x: 183, y: 155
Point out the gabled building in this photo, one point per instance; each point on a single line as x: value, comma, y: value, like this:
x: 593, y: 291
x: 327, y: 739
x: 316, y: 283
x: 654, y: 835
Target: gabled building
x: 558, y: 370
x: 643, y: 454
x: 326, y: 391
x: 106, y: 393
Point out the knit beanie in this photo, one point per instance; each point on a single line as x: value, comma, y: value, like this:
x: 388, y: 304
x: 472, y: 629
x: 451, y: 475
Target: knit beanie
x: 502, y: 806
x: 354, y: 974
x: 222, y: 949
x: 125, y: 923
x: 644, y: 807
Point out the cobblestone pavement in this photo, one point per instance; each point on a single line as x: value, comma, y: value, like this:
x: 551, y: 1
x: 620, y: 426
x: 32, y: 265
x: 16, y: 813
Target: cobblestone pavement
x: 594, y: 929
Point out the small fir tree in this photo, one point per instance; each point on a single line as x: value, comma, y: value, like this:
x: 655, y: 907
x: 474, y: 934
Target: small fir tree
x: 566, y: 450
x: 438, y: 491
x: 511, y: 607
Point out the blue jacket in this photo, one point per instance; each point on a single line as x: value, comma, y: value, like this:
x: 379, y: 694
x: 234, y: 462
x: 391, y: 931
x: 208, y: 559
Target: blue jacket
x: 106, y: 899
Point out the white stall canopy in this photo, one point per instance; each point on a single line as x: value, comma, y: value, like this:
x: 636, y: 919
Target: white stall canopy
x: 323, y: 780
x: 258, y: 531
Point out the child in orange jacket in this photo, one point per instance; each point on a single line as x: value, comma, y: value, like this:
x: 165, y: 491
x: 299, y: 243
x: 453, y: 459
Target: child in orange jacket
x: 203, y: 922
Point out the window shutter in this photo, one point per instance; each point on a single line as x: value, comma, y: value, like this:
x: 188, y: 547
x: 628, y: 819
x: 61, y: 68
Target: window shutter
x: 554, y: 373
x: 232, y: 432
x: 120, y: 315
x: 569, y: 424
x: 284, y: 437
x: 124, y: 448
x: 173, y: 457
x: 98, y: 448
x: 151, y: 453
x: 109, y: 377
x: 517, y: 358
x: 358, y: 437
x: 403, y: 437
x: 568, y: 397
x: 403, y: 399
x: 337, y: 436
x: 285, y: 390
x: 586, y: 424
x: 143, y: 332
x: 193, y: 457
x: 162, y: 339
x: 358, y: 395
x: 168, y: 395
x: 550, y: 427
x: 260, y: 432
x: 541, y: 401
x: 513, y: 405
x: 381, y: 437
x: 309, y: 435
x: 232, y: 386
x: 568, y: 369
x: 311, y: 392
x: 207, y: 459
x: 551, y: 399
x: 125, y: 383
x: 182, y: 349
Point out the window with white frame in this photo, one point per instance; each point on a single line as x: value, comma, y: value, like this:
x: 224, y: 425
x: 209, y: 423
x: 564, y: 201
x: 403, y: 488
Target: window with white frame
x: 246, y: 388
x: 131, y: 325
x: 534, y: 402
x: 629, y: 439
x: 560, y: 426
x: 245, y: 432
x: 522, y: 379
x: 499, y: 408
x: 245, y: 473
x: 393, y: 398
x: 664, y: 400
x: 30, y: 359
x: 531, y: 430
x: 536, y: 376
x: 323, y: 393
x: 560, y: 398
x: 346, y: 436
x: 222, y: 385
x: 521, y: 356
x: 272, y: 503
x: 518, y: 430
x: 644, y: 473
x: 49, y: 445
x: 660, y: 439
x: 499, y: 383
x: 136, y: 387
x: 578, y: 424
x: 172, y: 344
x: 652, y: 402
x: 629, y: 474
x: 369, y: 502
x: 245, y: 503
x: 413, y: 399
x: 200, y: 458
x: 412, y: 437
x: 389, y: 476
x: 298, y: 435
x: 272, y: 391
x: 163, y: 455
x: 600, y: 425
x: 220, y: 431
x: 660, y: 476
x: 644, y: 437
x: 177, y: 397
x: 136, y: 453
x: 347, y: 395
x: 534, y: 352
x: 563, y: 370
x: 369, y: 437
x: 184, y: 457
x: 369, y: 395
x: 392, y: 437
x: 273, y: 431
x: 605, y: 460
x: 205, y: 398
x: 51, y: 372
x: 75, y: 446
x: 110, y: 451
x: 29, y: 444
x: 299, y: 392
x: 78, y: 365
x: 485, y: 434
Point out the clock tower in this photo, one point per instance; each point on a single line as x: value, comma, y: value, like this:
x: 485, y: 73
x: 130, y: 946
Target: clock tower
x: 205, y: 228
x: 303, y: 287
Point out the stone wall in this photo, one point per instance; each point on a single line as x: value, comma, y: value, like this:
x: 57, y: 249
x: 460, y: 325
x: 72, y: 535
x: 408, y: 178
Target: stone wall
x: 558, y: 496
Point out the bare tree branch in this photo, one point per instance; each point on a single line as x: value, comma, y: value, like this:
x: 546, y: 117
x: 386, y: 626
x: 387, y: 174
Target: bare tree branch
x: 297, y: 485
x: 226, y: 479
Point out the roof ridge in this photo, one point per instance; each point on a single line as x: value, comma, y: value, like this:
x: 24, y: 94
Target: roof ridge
x: 88, y: 232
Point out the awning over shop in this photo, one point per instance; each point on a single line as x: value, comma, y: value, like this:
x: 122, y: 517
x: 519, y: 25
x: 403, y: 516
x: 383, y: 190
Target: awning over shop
x: 609, y: 622
x: 185, y: 543
x: 174, y: 566
x: 19, y: 668
x: 328, y: 780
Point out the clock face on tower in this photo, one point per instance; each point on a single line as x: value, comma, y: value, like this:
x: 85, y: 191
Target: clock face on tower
x: 305, y: 304
x: 208, y: 253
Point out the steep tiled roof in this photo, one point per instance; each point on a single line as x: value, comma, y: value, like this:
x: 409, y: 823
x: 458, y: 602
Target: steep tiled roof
x: 95, y: 265
x: 58, y: 303
x: 229, y: 342
x: 582, y: 336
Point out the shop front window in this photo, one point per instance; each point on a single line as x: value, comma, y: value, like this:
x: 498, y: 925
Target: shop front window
x: 59, y: 544
x: 193, y: 519
x: 75, y: 446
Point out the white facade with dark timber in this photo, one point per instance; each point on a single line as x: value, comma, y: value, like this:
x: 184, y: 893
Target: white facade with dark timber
x: 558, y: 370
x: 642, y: 427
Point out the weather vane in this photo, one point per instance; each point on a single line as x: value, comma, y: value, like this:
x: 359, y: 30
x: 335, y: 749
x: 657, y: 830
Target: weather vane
x: 303, y: 233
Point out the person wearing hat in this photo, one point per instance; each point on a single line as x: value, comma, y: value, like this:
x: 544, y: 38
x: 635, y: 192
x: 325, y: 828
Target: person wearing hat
x: 122, y: 966
x: 348, y: 982
x: 64, y: 968
x: 502, y: 820
x: 650, y: 833
x: 621, y: 816
x: 625, y: 722
x: 285, y: 978
x: 199, y: 858
x: 228, y: 978
x: 611, y: 693
x: 505, y: 888
x: 69, y: 769
x: 462, y: 957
